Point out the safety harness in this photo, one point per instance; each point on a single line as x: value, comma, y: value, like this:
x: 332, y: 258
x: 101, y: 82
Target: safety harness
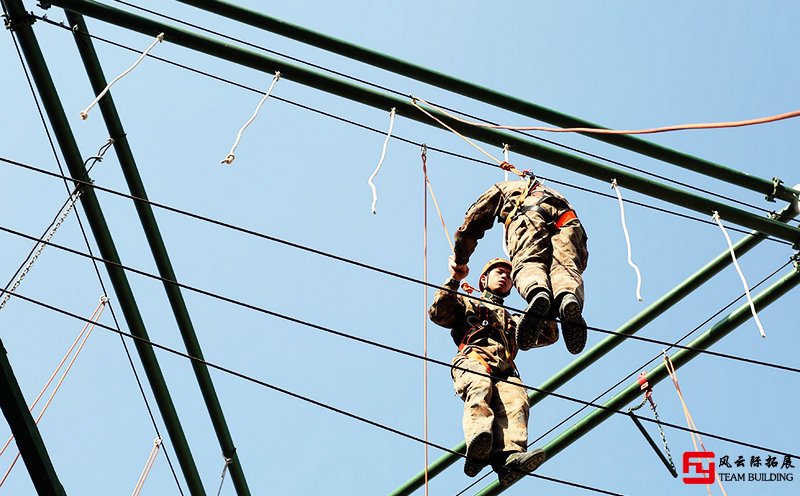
x: 552, y: 224
x: 483, y: 328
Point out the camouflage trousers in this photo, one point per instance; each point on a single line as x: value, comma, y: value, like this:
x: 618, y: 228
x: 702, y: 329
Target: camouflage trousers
x: 542, y: 259
x: 490, y: 405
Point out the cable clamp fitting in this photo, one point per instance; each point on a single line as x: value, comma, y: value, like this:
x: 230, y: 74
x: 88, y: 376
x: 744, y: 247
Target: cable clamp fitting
x: 776, y: 184
x: 644, y: 385
x: 26, y: 20
x: 44, y: 4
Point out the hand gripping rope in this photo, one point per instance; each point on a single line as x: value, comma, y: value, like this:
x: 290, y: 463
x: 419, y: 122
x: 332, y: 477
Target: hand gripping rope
x: 648, y: 397
x: 635, y: 267
x: 717, y: 219
x: 392, y: 113
x: 231, y: 157
x: 85, y: 112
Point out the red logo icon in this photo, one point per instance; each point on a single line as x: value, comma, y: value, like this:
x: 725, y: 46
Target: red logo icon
x: 693, y: 462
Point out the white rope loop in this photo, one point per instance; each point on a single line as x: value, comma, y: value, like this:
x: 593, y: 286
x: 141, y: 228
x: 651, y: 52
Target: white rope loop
x: 615, y: 187
x: 231, y: 157
x: 392, y: 113
x: 717, y: 219
x: 85, y: 112
x: 505, y: 159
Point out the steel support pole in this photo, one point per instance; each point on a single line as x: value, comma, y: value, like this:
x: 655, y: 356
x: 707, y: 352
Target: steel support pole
x: 158, y: 249
x: 21, y: 23
x: 26, y: 434
x: 612, y: 341
x: 487, y: 95
x: 383, y: 101
x: 718, y: 331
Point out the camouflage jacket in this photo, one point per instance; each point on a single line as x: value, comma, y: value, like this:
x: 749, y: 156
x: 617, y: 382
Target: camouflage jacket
x: 497, y: 203
x: 482, y: 325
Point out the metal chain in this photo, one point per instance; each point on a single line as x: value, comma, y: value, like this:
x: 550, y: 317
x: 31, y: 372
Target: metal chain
x: 663, y: 437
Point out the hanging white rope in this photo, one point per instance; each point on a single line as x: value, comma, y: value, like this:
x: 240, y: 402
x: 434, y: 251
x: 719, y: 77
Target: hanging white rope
x: 147, y: 466
x: 717, y: 219
x: 40, y: 246
x: 615, y: 187
x: 230, y: 158
x: 85, y: 112
x: 380, y: 161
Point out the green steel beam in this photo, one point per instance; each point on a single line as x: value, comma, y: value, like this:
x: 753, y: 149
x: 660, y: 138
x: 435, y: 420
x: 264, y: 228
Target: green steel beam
x: 719, y: 330
x: 158, y: 249
x: 612, y: 341
x: 486, y: 95
x: 383, y: 101
x: 26, y: 434
x: 21, y: 23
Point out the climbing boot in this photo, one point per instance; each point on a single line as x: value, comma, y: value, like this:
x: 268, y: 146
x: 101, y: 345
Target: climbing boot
x: 517, y: 465
x: 573, y: 327
x: 531, y: 322
x: 478, y: 450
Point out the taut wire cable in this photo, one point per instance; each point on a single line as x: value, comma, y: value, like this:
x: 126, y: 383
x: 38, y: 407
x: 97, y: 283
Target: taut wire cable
x: 392, y: 113
x: 147, y: 466
x: 228, y: 462
x: 594, y: 130
x: 717, y: 219
x: 231, y: 157
x: 635, y: 267
x: 433, y: 196
x: 689, y: 420
x: 88, y: 328
x: 85, y: 112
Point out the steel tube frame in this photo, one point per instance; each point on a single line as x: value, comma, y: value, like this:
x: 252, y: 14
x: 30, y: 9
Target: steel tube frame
x: 21, y: 23
x: 630, y: 328
x: 719, y: 330
x: 383, y: 101
x: 487, y: 95
x: 25, y: 432
x: 136, y: 187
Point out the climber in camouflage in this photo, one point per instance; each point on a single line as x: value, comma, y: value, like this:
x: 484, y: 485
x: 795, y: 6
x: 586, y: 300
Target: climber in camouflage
x: 496, y: 408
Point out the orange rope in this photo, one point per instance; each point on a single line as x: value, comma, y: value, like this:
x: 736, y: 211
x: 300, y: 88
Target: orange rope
x: 594, y: 130
x: 425, y: 187
x: 87, y: 329
x: 689, y: 420
x: 147, y: 466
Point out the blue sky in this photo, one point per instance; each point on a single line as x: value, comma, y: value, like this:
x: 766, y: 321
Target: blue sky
x: 302, y: 177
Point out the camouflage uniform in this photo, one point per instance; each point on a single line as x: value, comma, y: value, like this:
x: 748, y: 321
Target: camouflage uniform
x: 543, y: 257
x: 484, y: 333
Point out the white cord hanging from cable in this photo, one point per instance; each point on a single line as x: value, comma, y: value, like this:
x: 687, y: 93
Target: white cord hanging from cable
x: 505, y: 159
x: 147, y: 466
x: 380, y: 161
x: 228, y: 462
x: 85, y: 112
x: 231, y: 157
x: 41, y: 245
x: 717, y: 219
x: 615, y: 187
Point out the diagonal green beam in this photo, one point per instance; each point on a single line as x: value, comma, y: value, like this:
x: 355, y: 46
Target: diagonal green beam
x: 718, y: 331
x: 21, y: 23
x: 113, y: 122
x: 404, y: 107
x: 486, y: 95
x: 26, y: 434
x: 630, y: 328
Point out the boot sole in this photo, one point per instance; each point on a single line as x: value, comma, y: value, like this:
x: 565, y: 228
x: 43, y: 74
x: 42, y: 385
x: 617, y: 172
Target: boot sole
x: 478, y: 452
x: 531, y: 322
x: 573, y: 328
x: 510, y: 476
